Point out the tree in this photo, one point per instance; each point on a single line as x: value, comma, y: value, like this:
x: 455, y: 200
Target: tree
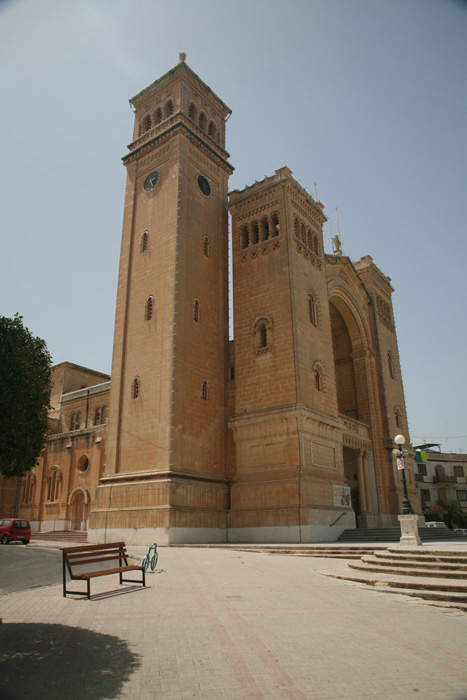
x: 25, y: 382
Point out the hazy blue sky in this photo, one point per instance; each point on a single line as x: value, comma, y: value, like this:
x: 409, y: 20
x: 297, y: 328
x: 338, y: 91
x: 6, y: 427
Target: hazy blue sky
x: 366, y: 97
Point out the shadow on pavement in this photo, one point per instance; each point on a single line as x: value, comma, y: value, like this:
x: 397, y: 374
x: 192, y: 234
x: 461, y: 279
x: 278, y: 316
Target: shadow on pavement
x: 55, y: 661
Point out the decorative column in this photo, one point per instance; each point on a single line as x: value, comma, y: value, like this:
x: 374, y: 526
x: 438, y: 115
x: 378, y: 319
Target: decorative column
x: 366, y: 478
x: 361, y: 484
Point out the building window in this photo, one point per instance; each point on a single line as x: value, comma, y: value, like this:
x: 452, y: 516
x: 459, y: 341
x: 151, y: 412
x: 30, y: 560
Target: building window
x: 231, y: 374
x: 144, y: 241
x: 206, y: 247
x: 244, y: 237
x: 197, y: 310
x: 158, y: 116
x: 83, y: 463
x: 104, y: 415
x: 458, y: 470
x: 205, y: 390
x: 97, y: 416
x: 392, y: 372
x: 275, y: 225
x: 462, y: 495
x: 168, y: 109
x: 73, y: 422
x: 202, y: 121
x: 263, y: 339
x: 318, y: 378
x: 398, y: 418
x: 425, y: 494
x: 135, y: 388
x: 254, y: 233
x: 212, y: 130
x: 264, y: 229
x: 147, y: 122
x: 422, y: 469
x: 78, y: 420
x: 192, y: 111
x: 53, y: 484
x: 149, y: 308
x: 315, y: 244
x: 28, y: 487
x: 313, y: 309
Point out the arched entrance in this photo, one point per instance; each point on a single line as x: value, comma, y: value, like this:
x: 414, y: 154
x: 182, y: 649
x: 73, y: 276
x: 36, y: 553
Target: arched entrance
x: 79, y: 510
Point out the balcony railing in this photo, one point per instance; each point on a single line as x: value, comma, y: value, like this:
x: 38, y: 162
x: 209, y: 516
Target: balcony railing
x: 444, y: 479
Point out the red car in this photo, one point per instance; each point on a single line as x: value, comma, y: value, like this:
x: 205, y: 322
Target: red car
x: 12, y: 529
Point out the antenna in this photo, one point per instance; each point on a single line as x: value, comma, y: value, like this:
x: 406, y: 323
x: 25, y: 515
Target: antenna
x: 316, y: 193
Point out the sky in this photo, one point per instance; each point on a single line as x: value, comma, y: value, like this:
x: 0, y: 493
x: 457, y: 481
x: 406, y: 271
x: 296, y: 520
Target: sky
x: 367, y: 98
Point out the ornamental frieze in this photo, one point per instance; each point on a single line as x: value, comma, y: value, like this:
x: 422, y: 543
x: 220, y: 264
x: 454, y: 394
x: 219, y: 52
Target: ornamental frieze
x: 261, y: 248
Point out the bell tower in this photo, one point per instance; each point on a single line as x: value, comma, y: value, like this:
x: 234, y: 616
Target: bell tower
x: 165, y: 476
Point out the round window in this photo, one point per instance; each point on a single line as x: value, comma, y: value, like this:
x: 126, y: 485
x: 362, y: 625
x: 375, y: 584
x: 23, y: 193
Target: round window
x: 83, y: 463
x: 204, y: 185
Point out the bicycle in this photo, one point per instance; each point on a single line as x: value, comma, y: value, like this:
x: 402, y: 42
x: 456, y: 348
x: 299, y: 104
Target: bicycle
x: 150, y: 561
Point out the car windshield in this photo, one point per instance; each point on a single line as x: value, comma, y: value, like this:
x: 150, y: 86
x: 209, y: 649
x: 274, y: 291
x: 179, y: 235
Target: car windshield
x: 4, y: 523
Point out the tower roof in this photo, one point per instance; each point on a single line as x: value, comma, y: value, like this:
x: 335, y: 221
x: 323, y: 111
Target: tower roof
x: 179, y: 68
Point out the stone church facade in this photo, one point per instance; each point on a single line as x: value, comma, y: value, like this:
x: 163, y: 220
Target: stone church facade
x: 284, y: 434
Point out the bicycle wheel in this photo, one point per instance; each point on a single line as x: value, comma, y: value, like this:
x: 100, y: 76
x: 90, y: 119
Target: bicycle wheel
x: 145, y: 562
x: 154, y: 559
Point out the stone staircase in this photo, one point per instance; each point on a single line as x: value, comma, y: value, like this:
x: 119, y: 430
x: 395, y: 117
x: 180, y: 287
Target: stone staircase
x: 334, y: 552
x: 71, y: 536
x: 393, y: 534
x: 436, y: 576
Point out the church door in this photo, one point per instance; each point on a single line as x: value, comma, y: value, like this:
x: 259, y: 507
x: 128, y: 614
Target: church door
x: 77, y: 514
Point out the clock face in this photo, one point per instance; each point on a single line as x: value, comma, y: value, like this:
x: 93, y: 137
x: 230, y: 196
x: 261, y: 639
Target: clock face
x: 151, y: 181
x: 204, y: 185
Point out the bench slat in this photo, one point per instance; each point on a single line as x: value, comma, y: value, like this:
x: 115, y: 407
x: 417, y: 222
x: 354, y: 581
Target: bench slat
x: 110, y: 571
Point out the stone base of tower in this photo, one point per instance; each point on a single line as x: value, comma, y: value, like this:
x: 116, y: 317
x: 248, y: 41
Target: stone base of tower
x: 164, y: 508
x: 292, y: 524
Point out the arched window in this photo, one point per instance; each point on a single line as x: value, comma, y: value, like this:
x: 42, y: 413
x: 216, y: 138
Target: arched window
x: 398, y: 417
x: 302, y: 233
x: 78, y: 420
x: 192, y: 111
x: 313, y: 309
x: 202, y: 121
x: 315, y: 244
x: 263, y: 335
x: 197, y: 310
x: 295, y: 227
x: 28, y: 488
x: 308, y: 238
x: 144, y: 241
x: 275, y: 225
x: 212, y: 130
x: 205, y: 389
x: 53, y: 484
x: 254, y: 233
x: 392, y: 372
x: 97, y: 416
x: 135, y: 388
x: 104, y: 415
x: 148, y: 308
x: 147, y: 122
x: 264, y: 229
x: 158, y: 116
x: 206, y: 247
x: 318, y: 377
x: 168, y: 109
x: 73, y: 422
x: 244, y: 237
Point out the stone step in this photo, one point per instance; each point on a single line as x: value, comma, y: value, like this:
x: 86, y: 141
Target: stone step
x: 393, y: 534
x: 396, y: 571
x: 414, y: 563
x: 62, y: 536
x: 454, y: 557
x: 382, y: 581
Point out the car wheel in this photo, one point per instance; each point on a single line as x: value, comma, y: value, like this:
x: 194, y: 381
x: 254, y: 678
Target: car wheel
x: 25, y: 541
x: 5, y: 539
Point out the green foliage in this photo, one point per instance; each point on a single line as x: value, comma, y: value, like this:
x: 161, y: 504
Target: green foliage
x: 25, y: 377
x: 434, y: 513
x: 455, y: 517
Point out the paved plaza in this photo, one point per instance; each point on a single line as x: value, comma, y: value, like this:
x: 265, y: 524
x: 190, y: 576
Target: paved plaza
x: 220, y: 623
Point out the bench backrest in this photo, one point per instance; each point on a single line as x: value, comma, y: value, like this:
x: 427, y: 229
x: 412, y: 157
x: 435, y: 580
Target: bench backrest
x: 94, y: 553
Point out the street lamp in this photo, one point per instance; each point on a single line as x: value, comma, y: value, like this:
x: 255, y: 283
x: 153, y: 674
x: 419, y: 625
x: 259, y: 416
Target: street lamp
x: 399, y: 452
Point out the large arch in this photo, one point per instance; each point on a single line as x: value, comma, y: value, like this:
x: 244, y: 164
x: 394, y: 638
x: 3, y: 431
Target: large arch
x: 79, y: 501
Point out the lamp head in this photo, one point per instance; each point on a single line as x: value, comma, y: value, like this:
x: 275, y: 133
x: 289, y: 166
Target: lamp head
x: 399, y: 439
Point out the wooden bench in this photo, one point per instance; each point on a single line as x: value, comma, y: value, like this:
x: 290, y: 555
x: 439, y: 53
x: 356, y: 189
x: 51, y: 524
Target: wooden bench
x: 79, y: 561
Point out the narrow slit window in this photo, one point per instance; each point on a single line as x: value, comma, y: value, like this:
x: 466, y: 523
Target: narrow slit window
x: 197, y: 310
x: 135, y: 388
x: 244, y: 237
x: 144, y: 241
x: 205, y: 390
x: 206, y: 247
x: 149, y: 308
x: 313, y: 309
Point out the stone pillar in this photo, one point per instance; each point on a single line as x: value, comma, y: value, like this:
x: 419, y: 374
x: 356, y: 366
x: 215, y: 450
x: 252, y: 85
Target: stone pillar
x: 361, y: 484
x: 409, y: 531
x: 366, y: 479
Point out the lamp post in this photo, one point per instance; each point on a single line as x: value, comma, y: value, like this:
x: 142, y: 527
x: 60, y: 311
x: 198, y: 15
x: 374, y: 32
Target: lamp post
x: 399, y: 452
x: 408, y: 519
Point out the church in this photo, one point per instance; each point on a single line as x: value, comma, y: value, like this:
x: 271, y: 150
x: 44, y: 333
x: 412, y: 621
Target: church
x: 283, y: 434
